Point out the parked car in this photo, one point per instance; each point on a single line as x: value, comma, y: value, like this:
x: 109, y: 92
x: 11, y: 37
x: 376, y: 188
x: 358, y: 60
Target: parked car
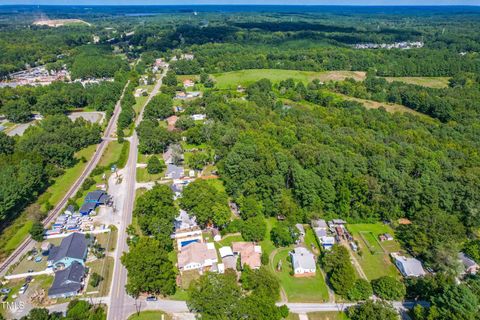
x: 23, y: 289
x: 5, y: 290
x: 152, y: 298
x: 4, y: 298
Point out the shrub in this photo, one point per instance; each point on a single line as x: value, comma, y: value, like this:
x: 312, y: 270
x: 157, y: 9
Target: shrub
x: 388, y: 288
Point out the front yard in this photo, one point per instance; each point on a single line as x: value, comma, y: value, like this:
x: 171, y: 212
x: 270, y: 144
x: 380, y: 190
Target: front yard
x: 308, y: 289
x: 103, y: 267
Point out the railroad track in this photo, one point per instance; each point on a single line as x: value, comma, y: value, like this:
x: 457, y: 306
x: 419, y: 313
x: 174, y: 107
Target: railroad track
x: 73, y: 189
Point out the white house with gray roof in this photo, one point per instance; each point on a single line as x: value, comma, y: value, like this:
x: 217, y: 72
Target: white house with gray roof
x: 408, y: 267
x: 303, y: 262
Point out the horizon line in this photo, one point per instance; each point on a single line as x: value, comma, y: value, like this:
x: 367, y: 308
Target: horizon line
x: 244, y: 4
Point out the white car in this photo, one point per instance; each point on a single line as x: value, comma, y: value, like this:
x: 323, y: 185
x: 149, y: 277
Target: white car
x: 23, y: 289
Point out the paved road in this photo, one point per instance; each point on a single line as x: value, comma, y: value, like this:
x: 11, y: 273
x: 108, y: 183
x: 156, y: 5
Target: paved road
x: 28, y: 243
x: 324, y: 307
x: 121, y: 304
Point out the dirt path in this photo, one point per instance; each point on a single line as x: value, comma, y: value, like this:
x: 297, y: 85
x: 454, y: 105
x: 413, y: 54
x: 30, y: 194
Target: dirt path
x: 283, y: 294
x: 354, y: 261
x: 331, y: 294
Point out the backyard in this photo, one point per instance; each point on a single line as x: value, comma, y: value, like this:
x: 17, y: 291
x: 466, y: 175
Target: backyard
x: 374, y: 255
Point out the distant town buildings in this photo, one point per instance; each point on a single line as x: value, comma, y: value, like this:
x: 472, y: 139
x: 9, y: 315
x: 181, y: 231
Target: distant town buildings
x: 38, y: 76
x: 404, y: 45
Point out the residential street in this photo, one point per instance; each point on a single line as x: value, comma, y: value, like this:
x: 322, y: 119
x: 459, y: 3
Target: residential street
x: 121, y: 303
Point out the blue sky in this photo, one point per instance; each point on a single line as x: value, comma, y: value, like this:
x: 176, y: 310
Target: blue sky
x: 282, y: 2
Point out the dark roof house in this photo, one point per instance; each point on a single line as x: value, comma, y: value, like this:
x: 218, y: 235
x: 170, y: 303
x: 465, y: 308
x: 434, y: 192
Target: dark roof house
x: 68, y: 282
x: 73, y: 248
x: 97, y: 196
x: 87, y: 207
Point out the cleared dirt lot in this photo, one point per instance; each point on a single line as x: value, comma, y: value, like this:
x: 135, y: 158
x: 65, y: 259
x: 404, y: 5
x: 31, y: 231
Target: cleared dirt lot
x: 92, y: 116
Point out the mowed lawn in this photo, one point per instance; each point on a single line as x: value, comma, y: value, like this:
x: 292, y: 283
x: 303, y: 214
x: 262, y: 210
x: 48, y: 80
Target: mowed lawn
x: 308, y: 289
x: 431, y: 82
x: 230, y: 80
x: 331, y: 315
x: 267, y: 244
x: 374, y: 257
x: 56, y: 191
x: 103, y: 267
x: 111, y: 154
x: 144, y: 176
x: 150, y: 315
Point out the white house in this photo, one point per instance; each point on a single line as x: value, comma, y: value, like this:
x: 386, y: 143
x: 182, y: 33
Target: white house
x: 327, y: 242
x: 408, y: 267
x: 198, y: 117
x: 303, y: 262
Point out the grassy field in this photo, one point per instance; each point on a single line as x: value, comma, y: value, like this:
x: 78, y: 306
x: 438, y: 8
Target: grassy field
x: 140, y: 101
x: 230, y: 80
x: 389, y: 107
x: 431, y: 82
x: 310, y: 289
x: 374, y: 257
x: 311, y: 240
x: 108, y: 240
x: 17, y: 231
x: 103, y: 267
x: 13, y: 235
x: 150, y: 315
x: 267, y: 244
x: 56, y: 191
x: 292, y: 316
x: 331, y: 315
x: 144, y: 176
x: 227, y: 241
x: 111, y: 154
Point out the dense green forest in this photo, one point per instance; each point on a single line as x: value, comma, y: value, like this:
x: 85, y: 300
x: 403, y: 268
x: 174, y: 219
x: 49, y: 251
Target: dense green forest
x: 299, y: 149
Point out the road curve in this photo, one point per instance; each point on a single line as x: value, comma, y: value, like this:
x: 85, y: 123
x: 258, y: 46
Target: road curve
x: 28, y: 243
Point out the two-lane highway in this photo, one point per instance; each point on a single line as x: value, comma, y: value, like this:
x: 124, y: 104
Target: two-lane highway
x: 120, y: 301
